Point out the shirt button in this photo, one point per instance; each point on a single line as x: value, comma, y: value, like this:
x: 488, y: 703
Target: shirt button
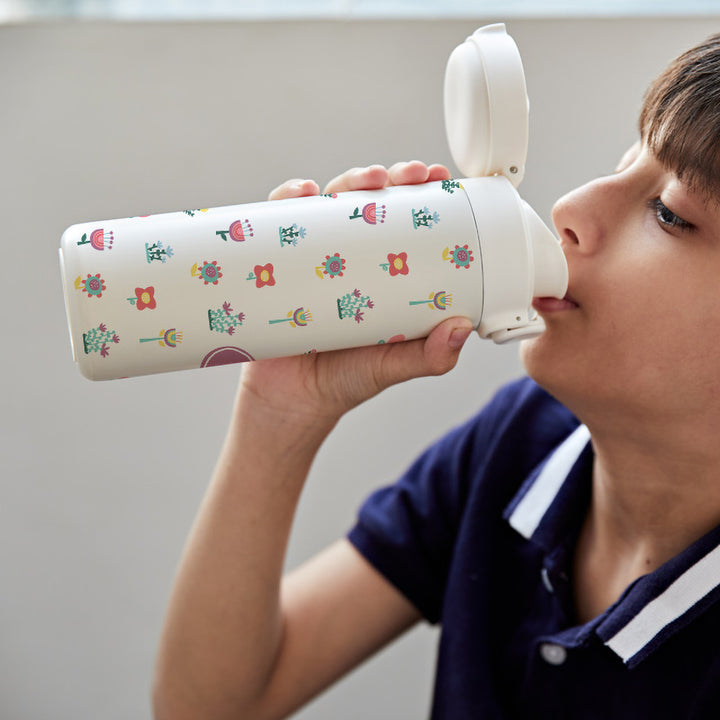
x: 553, y: 654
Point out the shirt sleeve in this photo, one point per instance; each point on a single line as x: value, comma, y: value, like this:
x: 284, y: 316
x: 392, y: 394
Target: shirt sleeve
x: 408, y: 530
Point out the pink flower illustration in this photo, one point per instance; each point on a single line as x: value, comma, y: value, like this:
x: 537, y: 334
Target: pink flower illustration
x: 210, y: 273
x: 93, y: 285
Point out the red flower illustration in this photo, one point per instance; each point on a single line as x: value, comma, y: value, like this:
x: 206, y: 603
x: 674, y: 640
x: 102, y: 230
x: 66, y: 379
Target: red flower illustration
x: 264, y: 275
x: 398, y: 263
x: 93, y: 285
x: 145, y: 298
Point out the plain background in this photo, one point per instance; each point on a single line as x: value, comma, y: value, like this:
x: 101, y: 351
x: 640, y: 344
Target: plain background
x: 99, y: 482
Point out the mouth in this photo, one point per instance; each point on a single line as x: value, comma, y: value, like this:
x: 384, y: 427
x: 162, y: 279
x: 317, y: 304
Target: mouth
x: 553, y: 305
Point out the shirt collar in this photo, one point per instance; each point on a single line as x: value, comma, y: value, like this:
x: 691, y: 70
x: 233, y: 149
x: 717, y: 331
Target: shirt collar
x: 533, y: 512
x: 656, y: 605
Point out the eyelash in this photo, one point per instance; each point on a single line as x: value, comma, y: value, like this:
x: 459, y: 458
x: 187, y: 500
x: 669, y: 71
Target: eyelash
x: 667, y: 218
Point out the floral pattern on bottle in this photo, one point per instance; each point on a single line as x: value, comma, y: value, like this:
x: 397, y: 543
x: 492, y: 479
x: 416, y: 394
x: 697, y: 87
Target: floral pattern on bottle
x: 333, y: 267
x: 353, y: 305
x: 371, y: 214
x: 239, y: 231
x: 424, y: 218
x: 208, y: 272
x: 169, y: 338
x: 291, y: 235
x: 449, y: 186
x: 174, y: 301
x: 225, y: 319
x: 158, y: 252
x: 460, y: 257
x: 436, y: 300
x: 295, y: 318
x: 98, y: 339
x: 99, y: 240
x: 144, y: 298
x: 262, y: 275
x: 92, y: 285
x: 191, y: 213
x: 396, y: 264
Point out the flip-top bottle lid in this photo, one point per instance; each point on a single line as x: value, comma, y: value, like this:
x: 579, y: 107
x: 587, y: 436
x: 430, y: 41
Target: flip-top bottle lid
x: 486, y: 105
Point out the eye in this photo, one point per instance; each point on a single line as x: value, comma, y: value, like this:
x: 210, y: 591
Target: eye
x: 668, y: 219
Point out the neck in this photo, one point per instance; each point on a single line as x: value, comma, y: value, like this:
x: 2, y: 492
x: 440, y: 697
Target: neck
x: 653, y: 495
x: 654, y: 492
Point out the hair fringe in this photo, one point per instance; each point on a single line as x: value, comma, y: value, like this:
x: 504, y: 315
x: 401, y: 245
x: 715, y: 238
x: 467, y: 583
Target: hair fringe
x: 680, y: 118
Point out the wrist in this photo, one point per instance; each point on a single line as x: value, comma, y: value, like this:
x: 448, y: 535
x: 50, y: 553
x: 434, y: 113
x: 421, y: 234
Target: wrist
x: 287, y: 426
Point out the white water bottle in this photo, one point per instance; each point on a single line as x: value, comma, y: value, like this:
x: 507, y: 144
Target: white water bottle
x: 206, y: 287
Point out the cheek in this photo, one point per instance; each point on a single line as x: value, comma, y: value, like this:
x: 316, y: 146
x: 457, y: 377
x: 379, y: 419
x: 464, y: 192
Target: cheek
x: 640, y: 302
x: 653, y: 354
x: 648, y: 330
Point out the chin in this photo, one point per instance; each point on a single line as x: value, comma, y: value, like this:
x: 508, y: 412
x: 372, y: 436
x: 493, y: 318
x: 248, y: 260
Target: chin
x: 537, y: 358
x: 595, y: 381
x: 555, y: 371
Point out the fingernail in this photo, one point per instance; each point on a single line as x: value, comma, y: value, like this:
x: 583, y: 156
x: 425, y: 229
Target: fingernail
x: 458, y: 337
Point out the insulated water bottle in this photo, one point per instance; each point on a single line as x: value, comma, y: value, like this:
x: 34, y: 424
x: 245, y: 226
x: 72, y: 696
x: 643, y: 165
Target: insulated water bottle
x: 206, y: 287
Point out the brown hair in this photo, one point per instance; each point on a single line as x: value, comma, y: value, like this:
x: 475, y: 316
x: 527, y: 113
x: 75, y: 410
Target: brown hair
x: 680, y: 118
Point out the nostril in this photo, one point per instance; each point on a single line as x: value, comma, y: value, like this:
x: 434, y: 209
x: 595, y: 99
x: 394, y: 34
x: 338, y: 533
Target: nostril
x: 571, y: 236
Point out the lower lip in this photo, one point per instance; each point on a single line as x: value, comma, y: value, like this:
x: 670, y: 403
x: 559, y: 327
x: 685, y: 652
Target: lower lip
x: 553, y: 305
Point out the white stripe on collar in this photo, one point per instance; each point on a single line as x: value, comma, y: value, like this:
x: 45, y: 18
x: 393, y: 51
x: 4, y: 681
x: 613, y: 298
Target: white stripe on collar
x: 530, y: 510
x: 680, y: 596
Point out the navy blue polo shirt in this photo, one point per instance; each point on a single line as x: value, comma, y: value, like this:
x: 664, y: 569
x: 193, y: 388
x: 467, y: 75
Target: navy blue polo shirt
x: 479, y: 535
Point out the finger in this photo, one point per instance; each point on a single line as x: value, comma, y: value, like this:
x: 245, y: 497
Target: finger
x: 408, y: 173
x: 416, y: 172
x: 434, y: 355
x: 373, y: 177
x: 294, y: 188
x: 438, y: 172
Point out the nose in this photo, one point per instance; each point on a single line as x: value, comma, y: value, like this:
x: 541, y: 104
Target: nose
x: 581, y: 216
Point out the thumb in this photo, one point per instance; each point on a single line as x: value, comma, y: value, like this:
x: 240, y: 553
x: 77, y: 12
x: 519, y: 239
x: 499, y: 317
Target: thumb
x: 434, y: 355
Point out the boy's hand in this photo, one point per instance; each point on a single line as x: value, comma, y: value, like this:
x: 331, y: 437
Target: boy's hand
x: 374, y: 177
x: 235, y: 636
x: 321, y: 387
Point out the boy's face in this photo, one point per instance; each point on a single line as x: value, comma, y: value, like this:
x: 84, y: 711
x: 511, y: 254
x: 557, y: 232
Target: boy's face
x: 640, y: 329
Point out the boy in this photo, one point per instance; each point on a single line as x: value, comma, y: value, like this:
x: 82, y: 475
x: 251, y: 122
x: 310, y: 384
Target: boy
x: 567, y: 537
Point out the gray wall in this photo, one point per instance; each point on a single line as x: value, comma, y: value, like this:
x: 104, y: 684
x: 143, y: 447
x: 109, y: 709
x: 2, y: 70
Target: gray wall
x: 99, y: 482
